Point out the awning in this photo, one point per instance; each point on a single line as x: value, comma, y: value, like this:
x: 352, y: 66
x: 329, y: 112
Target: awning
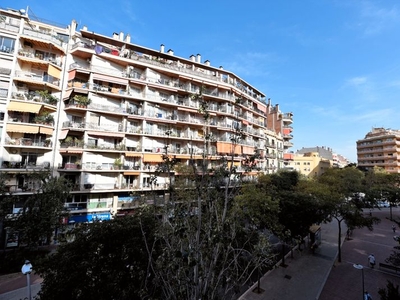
x: 74, y: 151
x: 108, y: 78
x: 132, y: 173
x: 41, y: 42
x: 67, y: 94
x: 22, y: 128
x: 45, y: 130
x: 63, y: 134
x: 262, y: 107
x: 71, y: 75
x: 182, y: 156
x: 25, y: 107
x: 228, y: 147
x: 53, y: 71
x: 133, y: 154
x: 106, y: 133
x: 152, y: 158
x: 248, y: 150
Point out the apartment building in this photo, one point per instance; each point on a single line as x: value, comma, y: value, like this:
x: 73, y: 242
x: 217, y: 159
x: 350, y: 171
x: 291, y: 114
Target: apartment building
x: 101, y: 111
x: 379, y: 148
x: 309, y: 164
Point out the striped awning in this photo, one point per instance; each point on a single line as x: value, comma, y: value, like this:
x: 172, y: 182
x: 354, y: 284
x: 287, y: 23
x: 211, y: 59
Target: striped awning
x: 22, y: 128
x: 25, y: 107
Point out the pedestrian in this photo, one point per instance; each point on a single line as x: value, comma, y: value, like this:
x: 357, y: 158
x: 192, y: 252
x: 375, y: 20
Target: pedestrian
x: 367, y: 296
x: 394, y: 228
x: 371, y: 259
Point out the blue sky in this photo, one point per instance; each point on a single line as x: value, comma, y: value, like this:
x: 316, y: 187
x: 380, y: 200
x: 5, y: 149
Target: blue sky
x: 334, y: 63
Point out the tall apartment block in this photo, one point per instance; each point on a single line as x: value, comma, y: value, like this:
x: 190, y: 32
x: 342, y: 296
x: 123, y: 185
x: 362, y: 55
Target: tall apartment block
x: 380, y: 148
x: 101, y: 111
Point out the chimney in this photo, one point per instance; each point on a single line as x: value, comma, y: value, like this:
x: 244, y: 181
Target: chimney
x: 207, y: 62
x: 121, y: 36
x: 84, y: 28
x: 115, y: 35
x: 198, y: 58
x: 221, y: 67
x: 162, y: 48
x: 192, y: 57
x: 128, y: 38
x: 170, y: 52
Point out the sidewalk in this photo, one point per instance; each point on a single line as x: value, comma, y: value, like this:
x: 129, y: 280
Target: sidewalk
x: 305, y: 274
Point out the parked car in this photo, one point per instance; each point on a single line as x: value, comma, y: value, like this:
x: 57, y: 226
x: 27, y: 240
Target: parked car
x: 382, y: 203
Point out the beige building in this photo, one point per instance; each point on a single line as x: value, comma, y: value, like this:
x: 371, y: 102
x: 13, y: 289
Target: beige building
x: 380, y: 148
x: 100, y: 111
x: 309, y: 164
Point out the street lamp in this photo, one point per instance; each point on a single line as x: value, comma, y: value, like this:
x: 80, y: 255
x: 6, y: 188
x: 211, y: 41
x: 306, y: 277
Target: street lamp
x: 26, y: 270
x: 360, y: 267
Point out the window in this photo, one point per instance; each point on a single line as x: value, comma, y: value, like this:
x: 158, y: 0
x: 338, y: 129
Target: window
x: 6, y: 44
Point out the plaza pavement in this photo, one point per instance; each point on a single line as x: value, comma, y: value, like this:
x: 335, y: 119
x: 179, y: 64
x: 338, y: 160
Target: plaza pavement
x: 307, y: 276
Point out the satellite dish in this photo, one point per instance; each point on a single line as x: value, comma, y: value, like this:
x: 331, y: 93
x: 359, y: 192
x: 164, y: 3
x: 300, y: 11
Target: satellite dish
x: 22, y: 11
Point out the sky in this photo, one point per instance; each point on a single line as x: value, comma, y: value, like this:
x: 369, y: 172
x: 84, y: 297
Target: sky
x: 335, y: 64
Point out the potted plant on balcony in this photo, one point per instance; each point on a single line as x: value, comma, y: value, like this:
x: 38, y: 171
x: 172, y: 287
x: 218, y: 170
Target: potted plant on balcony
x: 44, y: 118
x: 81, y: 100
x: 46, y: 97
x: 118, y: 163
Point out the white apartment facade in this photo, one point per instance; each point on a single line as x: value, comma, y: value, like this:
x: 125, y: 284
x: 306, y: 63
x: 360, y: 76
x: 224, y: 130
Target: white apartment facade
x: 101, y: 111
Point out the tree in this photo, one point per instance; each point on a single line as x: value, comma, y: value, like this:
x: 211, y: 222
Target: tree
x: 209, y: 247
x: 42, y: 210
x: 105, y: 260
x: 339, y: 189
x: 391, y: 292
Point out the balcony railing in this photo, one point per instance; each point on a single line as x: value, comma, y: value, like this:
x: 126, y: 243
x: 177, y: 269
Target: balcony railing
x: 43, y: 36
x: 38, y: 78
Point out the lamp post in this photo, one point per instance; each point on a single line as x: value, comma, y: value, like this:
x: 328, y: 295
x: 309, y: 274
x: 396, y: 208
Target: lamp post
x: 360, y: 267
x: 26, y: 270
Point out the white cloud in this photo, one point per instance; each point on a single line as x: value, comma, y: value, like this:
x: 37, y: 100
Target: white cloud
x: 356, y: 81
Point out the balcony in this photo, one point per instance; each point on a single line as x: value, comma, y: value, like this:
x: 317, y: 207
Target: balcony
x: 40, y: 79
x: 38, y: 142
x: 42, y: 36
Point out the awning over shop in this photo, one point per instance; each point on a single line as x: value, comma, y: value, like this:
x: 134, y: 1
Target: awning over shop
x: 108, y: 78
x: 106, y: 133
x: 53, y: 71
x: 45, y: 130
x: 89, y: 217
x: 63, y: 134
x: 133, y: 154
x: 25, y: 107
x: 152, y: 158
x: 22, y: 128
